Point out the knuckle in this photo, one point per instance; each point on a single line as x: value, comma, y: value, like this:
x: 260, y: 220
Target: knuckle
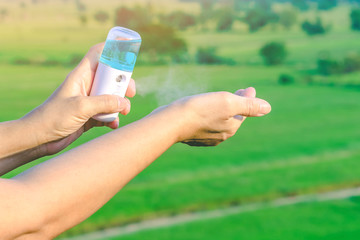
x: 223, y: 136
x: 226, y: 97
x: 232, y: 128
x: 251, y: 107
x: 232, y: 132
x: 96, y: 48
x: 110, y: 102
x: 93, y: 48
x: 227, y: 100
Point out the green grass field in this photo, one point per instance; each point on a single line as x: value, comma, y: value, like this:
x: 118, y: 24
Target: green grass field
x: 308, y: 144
x: 303, y: 221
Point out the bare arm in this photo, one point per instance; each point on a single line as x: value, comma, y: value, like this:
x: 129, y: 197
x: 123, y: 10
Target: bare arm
x: 66, y: 190
x: 16, y: 160
x: 10, y: 133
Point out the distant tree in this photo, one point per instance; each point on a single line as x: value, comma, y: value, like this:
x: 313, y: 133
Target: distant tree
x: 313, y: 28
x: 288, y: 17
x: 206, y: 14
x: 80, y: 6
x: 286, y: 79
x: 328, y: 66
x: 352, y: 63
x: 83, y: 19
x: 160, y: 40
x: 101, y: 16
x: 241, y: 5
x: 355, y: 19
x: 22, y: 4
x: 132, y: 18
x: 226, y: 19
x: 207, y: 55
x: 207, y: 5
x: 123, y: 17
x: 179, y: 20
x: 327, y: 4
x: 300, y: 4
x: 274, y: 53
x: 264, y: 4
x: 257, y: 18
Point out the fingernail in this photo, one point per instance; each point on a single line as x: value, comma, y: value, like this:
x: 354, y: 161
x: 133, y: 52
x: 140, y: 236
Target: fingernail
x: 265, y: 107
x: 240, y: 92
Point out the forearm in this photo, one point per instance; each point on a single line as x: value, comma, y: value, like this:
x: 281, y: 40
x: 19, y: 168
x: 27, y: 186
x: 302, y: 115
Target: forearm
x: 16, y: 136
x: 18, y: 144
x: 16, y: 160
x: 79, y: 182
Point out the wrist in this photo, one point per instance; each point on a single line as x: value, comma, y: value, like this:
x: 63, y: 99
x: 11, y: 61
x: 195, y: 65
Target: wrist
x: 38, y: 140
x: 184, y: 119
x: 17, y: 136
x: 35, y: 129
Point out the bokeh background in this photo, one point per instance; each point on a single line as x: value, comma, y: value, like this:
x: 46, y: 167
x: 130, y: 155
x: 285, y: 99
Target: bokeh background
x: 303, y: 56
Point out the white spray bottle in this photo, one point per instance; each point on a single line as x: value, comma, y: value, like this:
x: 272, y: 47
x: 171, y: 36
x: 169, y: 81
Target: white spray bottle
x: 116, y: 66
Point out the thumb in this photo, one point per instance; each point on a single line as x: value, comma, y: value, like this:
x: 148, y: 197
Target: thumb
x: 249, y: 107
x: 248, y: 92
x: 93, y: 105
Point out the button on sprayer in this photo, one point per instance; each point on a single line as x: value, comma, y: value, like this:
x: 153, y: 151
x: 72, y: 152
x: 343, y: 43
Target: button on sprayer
x: 117, y: 62
x: 121, y: 78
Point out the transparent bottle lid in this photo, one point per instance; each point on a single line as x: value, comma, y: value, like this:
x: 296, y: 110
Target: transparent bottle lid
x: 121, y: 33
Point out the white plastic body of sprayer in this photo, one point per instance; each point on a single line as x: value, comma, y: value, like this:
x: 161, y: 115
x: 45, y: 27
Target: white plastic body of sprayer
x: 112, y: 81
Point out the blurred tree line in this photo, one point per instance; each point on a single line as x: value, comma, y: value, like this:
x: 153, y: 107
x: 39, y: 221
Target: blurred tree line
x: 162, y: 41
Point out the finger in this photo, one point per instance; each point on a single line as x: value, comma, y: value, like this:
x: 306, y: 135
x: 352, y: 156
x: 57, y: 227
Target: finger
x: 239, y: 118
x: 92, y: 123
x: 128, y: 107
x: 240, y: 92
x: 248, y: 92
x: 90, y: 106
x: 114, y: 124
x: 235, y: 123
x: 87, y: 67
x: 249, y: 107
x: 131, y: 90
